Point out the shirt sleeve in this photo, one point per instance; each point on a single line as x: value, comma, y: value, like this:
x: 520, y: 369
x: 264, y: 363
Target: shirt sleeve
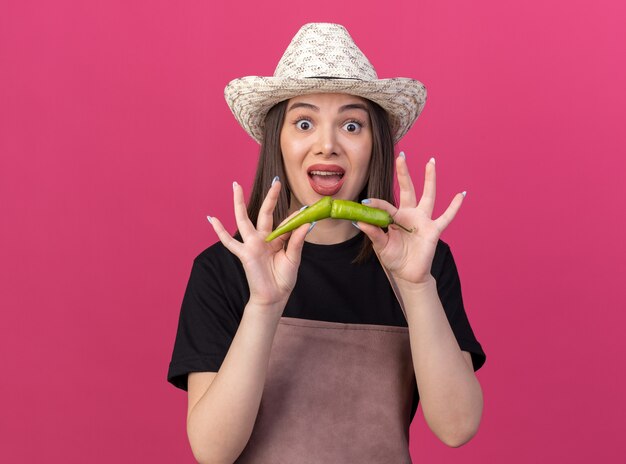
x: 211, y: 311
x: 445, y: 272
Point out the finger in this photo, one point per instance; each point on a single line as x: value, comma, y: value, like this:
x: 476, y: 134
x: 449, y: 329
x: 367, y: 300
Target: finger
x: 381, y: 204
x: 376, y: 235
x: 448, y: 215
x: 427, y: 202
x: 407, y: 191
x: 265, y: 219
x: 227, y: 240
x: 281, y: 241
x: 241, y: 214
x: 295, y: 244
x: 296, y: 212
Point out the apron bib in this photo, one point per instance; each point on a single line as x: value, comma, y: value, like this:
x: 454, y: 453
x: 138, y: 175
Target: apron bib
x: 335, y: 393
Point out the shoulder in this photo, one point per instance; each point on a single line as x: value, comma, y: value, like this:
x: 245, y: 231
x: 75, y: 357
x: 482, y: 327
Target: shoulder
x: 216, y: 257
x: 217, y: 278
x: 218, y: 267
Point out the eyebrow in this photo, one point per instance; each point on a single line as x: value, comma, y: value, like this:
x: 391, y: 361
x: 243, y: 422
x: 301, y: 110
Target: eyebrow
x: 350, y: 106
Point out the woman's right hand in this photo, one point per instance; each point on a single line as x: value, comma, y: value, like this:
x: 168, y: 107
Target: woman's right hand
x: 271, y: 268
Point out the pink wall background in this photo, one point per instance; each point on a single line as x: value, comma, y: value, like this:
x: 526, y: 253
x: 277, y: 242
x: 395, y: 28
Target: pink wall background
x: 115, y: 143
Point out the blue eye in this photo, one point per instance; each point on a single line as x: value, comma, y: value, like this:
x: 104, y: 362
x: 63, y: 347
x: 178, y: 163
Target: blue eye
x: 352, y: 126
x: 303, y: 124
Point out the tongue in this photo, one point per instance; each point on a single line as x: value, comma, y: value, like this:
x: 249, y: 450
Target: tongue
x: 326, y: 185
x: 326, y: 181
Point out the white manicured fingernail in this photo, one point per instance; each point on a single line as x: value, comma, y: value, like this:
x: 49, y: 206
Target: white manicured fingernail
x: 235, y: 185
x: 304, y: 207
x: 311, y: 227
x: 402, y: 155
x: 210, y: 219
x: 356, y: 225
x: 274, y: 180
x: 463, y: 193
x: 367, y: 201
x: 432, y: 160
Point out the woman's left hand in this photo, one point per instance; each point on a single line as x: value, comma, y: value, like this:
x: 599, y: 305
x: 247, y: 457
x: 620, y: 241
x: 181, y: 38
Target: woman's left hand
x: 409, y: 256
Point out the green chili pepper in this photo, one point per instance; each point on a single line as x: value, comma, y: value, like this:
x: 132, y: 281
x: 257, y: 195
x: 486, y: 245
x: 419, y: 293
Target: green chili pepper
x: 337, y: 209
x: 344, y: 209
x: 318, y: 210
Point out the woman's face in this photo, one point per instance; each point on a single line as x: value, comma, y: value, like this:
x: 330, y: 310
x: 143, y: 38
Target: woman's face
x: 326, y: 140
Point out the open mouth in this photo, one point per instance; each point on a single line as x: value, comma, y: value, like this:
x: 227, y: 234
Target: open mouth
x: 326, y: 179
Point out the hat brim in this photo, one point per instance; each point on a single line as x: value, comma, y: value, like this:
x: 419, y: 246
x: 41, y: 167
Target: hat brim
x: 251, y: 97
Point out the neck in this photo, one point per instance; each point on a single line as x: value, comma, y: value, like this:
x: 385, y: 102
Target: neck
x: 331, y: 231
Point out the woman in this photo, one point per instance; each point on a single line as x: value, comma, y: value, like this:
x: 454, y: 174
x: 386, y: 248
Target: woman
x: 311, y: 348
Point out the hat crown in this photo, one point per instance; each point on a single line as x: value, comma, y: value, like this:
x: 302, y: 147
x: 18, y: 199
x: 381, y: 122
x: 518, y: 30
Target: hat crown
x: 324, y: 50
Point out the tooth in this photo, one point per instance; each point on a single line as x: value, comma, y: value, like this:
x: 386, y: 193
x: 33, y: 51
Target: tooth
x: 325, y: 173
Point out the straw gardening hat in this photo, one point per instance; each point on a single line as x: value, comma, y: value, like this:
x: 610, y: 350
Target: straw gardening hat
x: 323, y: 58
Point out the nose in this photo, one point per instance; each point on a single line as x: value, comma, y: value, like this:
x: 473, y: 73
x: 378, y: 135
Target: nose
x: 326, y: 142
